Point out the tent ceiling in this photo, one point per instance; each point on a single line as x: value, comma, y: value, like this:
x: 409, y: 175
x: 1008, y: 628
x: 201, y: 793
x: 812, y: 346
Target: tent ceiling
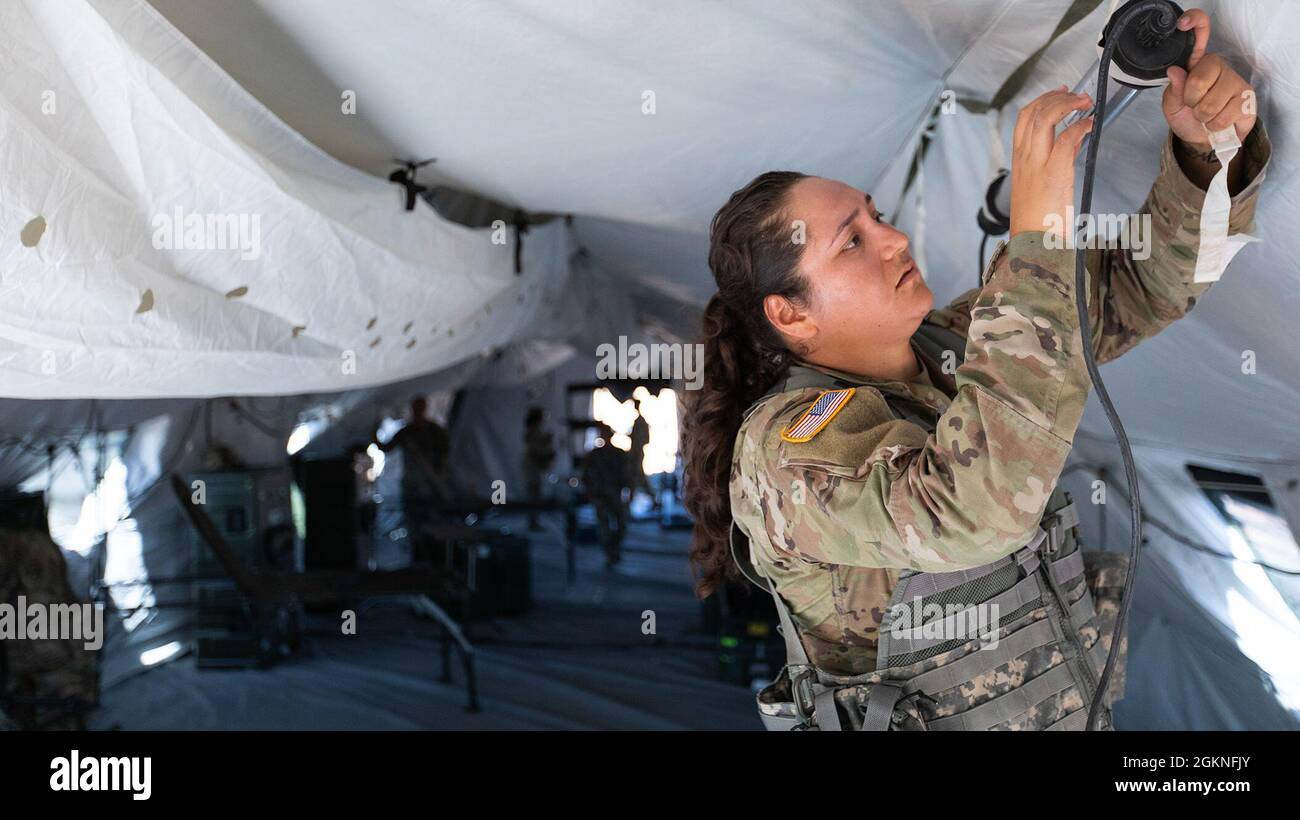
x: 540, y: 105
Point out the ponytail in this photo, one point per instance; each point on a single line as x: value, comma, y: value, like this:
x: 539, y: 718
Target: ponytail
x: 752, y: 255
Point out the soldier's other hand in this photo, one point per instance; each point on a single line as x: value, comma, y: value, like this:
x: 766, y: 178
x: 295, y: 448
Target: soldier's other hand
x: 1042, y: 164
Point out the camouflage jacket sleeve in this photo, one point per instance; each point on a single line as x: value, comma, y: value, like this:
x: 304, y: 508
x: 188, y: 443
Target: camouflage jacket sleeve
x: 872, y: 490
x: 1137, y: 292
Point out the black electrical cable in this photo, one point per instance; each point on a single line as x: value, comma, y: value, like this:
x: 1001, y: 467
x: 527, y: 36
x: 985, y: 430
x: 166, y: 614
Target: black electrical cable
x: 75, y: 449
x: 1126, y: 16
x: 980, y: 272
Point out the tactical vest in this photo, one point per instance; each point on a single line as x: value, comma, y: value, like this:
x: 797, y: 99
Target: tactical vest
x: 935, y: 669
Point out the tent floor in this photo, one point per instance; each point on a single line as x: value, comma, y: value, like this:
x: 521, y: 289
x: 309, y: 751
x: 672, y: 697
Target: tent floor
x: 578, y: 660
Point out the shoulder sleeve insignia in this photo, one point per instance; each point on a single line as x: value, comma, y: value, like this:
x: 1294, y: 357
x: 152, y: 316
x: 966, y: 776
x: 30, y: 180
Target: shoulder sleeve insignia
x: 818, y: 416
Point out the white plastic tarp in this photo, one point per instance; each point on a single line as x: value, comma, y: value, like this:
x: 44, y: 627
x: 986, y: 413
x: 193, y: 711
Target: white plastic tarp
x: 193, y: 245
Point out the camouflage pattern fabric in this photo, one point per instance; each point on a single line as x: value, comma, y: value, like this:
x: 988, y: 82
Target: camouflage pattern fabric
x: 832, y: 520
x: 1105, y: 573
x: 927, y: 709
x: 32, y: 566
x: 604, y: 475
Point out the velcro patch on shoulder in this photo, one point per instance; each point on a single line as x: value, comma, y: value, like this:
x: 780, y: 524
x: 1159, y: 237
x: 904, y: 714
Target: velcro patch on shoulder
x: 816, y: 417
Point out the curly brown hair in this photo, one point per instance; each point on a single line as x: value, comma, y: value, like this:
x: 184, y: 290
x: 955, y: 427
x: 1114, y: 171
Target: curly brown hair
x: 752, y: 254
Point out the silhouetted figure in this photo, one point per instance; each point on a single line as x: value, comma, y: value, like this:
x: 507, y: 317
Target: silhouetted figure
x: 636, y: 460
x: 424, y: 445
x: 539, y: 455
x: 604, y: 475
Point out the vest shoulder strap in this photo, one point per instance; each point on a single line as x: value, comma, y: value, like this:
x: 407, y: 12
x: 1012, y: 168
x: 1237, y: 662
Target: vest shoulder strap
x: 934, y: 337
x: 795, y: 654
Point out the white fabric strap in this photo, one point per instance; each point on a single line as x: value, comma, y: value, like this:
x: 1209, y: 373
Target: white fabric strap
x: 1217, y: 247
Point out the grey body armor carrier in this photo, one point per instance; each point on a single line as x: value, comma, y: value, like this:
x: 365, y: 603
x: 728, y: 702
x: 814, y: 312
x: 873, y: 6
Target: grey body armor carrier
x: 942, y: 662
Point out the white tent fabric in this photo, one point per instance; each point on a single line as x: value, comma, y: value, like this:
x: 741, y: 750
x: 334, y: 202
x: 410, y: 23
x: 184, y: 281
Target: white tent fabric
x: 1213, y: 642
x: 134, y: 148
x: 640, y: 121
x: 845, y: 97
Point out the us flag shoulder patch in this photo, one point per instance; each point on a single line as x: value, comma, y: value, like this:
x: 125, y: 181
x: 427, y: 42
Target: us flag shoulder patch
x: 818, y: 416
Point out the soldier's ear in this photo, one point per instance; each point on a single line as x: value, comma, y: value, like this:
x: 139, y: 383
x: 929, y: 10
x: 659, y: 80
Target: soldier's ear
x: 791, y: 319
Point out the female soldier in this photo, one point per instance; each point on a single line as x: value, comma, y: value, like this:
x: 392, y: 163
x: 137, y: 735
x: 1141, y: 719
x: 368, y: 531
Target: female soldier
x: 871, y: 475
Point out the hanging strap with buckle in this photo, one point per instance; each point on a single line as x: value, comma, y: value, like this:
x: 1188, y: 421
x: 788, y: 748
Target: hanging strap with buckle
x: 882, y: 697
x: 1056, y: 526
x: 797, y: 664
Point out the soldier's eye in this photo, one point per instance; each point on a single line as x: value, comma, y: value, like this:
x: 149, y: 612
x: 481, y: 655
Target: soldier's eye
x: 853, y: 242
x: 880, y: 218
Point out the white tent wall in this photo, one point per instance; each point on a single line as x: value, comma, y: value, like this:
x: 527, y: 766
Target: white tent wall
x: 488, y: 437
x: 1185, y: 674
x: 147, y: 535
x: 1196, y: 617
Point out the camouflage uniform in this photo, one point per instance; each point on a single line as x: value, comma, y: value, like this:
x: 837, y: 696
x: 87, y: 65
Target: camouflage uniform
x: 425, y: 446
x: 31, y: 566
x: 967, y: 473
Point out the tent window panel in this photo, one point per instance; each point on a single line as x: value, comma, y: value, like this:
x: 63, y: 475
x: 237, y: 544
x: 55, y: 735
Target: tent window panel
x: 1245, y: 504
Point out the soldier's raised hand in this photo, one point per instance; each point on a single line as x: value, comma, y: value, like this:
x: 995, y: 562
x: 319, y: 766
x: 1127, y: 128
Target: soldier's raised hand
x: 1042, y: 164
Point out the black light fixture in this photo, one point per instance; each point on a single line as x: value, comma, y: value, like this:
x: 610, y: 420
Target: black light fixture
x: 405, y: 176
